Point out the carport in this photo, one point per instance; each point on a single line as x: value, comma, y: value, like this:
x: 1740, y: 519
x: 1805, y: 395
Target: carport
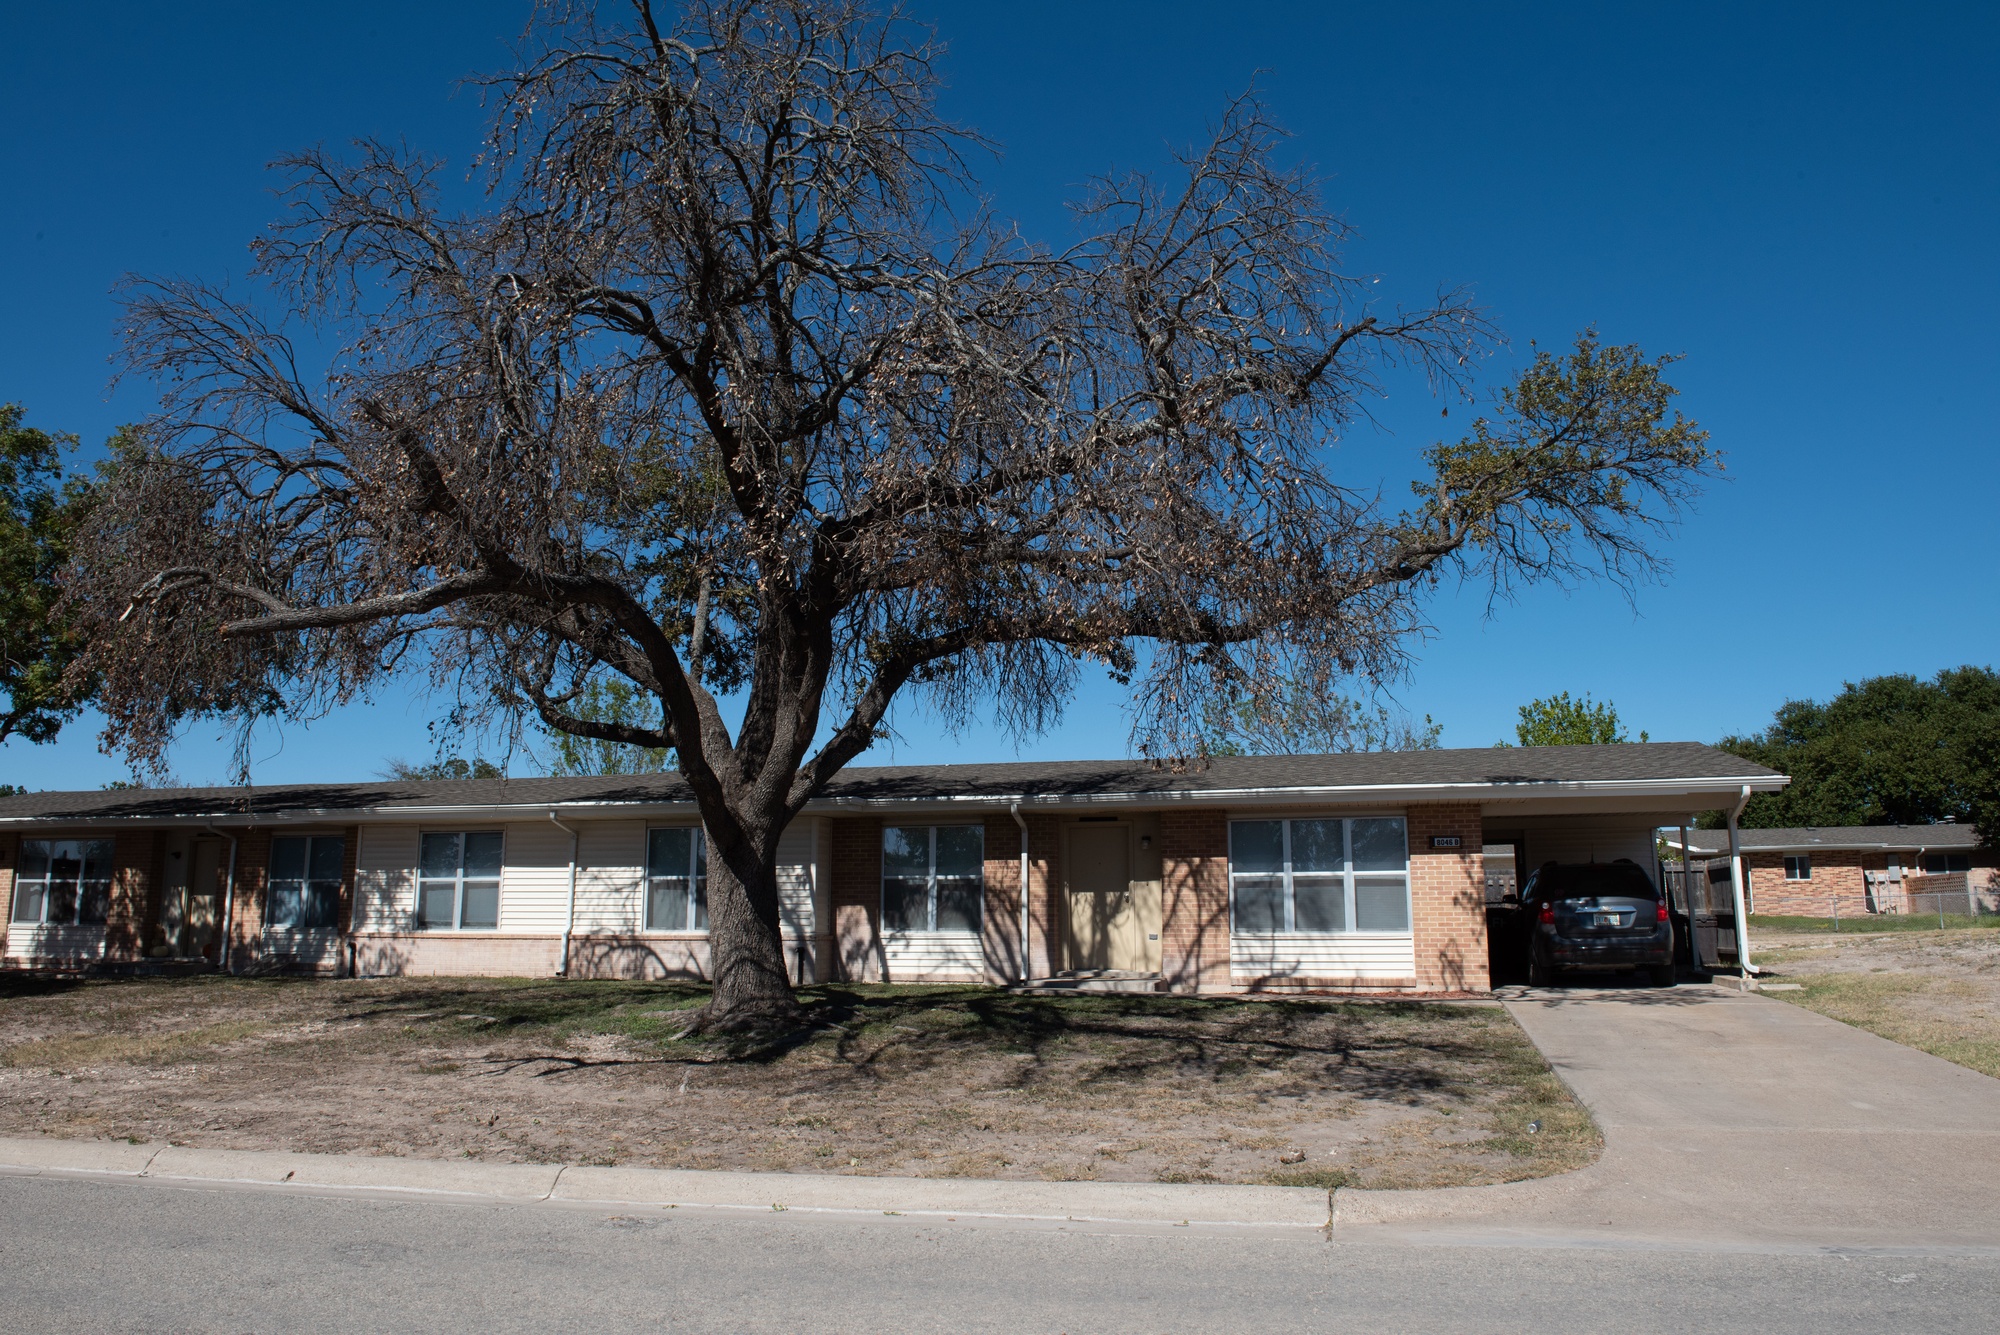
x: 1598, y: 826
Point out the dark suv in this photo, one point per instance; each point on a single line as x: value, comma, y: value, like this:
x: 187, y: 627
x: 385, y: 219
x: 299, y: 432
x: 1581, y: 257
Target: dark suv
x: 1595, y: 915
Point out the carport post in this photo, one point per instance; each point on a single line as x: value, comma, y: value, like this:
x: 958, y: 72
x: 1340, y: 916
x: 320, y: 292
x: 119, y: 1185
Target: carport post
x: 1743, y: 965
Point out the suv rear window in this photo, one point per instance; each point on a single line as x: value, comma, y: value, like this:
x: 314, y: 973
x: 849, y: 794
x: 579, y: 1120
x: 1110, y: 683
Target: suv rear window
x: 1612, y: 880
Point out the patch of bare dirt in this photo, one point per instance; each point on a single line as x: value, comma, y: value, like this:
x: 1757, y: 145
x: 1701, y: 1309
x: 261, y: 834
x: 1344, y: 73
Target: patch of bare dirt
x: 914, y: 1082
x: 1938, y: 991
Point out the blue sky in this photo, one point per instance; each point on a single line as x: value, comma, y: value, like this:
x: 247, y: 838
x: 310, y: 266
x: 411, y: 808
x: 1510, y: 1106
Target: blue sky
x: 1801, y: 200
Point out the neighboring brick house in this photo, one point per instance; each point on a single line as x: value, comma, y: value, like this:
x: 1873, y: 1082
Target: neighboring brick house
x: 1856, y: 869
x: 1349, y: 873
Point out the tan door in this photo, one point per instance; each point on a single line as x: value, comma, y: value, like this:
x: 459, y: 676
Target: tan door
x: 1113, y: 923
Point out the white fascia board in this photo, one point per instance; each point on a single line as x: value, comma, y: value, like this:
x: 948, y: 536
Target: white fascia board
x: 1844, y: 846
x: 1659, y: 793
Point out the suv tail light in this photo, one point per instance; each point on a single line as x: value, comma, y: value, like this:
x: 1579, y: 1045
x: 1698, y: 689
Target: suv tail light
x: 1548, y: 913
x: 1661, y: 915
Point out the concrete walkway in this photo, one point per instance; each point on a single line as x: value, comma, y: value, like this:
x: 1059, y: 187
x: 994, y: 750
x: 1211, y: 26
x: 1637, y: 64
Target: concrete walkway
x: 1731, y: 1121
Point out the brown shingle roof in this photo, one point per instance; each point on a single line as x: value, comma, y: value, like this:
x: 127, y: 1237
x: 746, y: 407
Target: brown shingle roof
x: 1508, y: 768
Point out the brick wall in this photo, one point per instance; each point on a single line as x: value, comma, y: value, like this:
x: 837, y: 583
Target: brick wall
x: 1836, y: 881
x: 1448, y: 898
x: 246, y: 901
x: 857, y: 898
x: 1194, y: 871
x: 1000, y: 923
x: 1048, y: 917
x: 420, y: 954
x: 135, y: 894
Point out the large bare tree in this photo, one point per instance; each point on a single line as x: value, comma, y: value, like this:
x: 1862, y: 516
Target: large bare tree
x: 729, y: 387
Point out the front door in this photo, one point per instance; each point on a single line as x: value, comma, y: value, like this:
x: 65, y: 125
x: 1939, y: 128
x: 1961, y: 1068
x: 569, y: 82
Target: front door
x: 1113, y: 924
x: 195, y: 911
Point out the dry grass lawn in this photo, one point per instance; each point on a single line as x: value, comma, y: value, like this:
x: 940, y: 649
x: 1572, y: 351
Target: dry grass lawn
x: 910, y: 1081
x: 1938, y: 991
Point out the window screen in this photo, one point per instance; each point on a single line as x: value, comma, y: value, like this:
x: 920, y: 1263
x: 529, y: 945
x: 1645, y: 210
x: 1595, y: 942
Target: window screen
x: 305, y: 882
x: 458, y: 881
x: 933, y: 877
x: 676, y: 880
x: 63, y: 882
x: 1333, y: 874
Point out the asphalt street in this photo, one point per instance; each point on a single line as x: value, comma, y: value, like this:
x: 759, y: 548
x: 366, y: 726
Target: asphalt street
x: 135, y: 1255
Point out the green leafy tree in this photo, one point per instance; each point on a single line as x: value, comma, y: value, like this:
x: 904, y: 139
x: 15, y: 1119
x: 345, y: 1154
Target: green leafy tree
x: 448, y: 767
x: 1557, y: 720
x: 40, y: 509
x: 618, y: 703
x: 1886, y: 750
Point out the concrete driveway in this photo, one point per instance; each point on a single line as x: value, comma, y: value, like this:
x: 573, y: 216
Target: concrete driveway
x: 1732, y: 1121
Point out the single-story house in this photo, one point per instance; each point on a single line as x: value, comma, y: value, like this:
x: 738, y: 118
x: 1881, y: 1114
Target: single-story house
x: 1818, y: 871
x: 1359, y: 872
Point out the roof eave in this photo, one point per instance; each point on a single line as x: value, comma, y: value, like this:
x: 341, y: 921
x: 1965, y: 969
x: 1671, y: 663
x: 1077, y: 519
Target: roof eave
x: 1660, y: 790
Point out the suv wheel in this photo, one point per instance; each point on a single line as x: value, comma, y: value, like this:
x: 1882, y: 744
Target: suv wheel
x: 1663, y: 975
x: 1540, y: 974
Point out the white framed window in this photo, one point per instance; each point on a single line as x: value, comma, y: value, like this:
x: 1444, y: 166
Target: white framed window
x: 305, y: 882
x: 1937, y: 863
x: 458, y: 881
x: 933, y: 877
x: 676, y: 880
x: 63, y: 882
x: 1799, y: 868
x: 1324, y: 875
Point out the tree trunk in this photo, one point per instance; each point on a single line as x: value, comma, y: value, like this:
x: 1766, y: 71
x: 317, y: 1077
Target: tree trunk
x: 746, y: 951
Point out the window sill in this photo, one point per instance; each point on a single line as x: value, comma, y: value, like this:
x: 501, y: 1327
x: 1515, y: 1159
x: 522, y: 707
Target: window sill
x: 1398, y: 934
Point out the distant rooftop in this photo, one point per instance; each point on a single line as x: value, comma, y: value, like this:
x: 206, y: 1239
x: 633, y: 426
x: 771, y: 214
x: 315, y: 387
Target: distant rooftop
x: 1861, y: 838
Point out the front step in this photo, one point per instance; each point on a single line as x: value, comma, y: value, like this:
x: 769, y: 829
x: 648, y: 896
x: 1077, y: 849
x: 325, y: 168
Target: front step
x: 1093, y: 980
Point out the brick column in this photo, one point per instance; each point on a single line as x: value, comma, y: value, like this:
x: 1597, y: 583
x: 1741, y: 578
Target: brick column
x: 134, y: 894
x: 1194, y: 874
x: 1000, y: 919
x: 1048, y: 915
x: 857, y: 897
x: 1448, y: 898
x: 246, y: 913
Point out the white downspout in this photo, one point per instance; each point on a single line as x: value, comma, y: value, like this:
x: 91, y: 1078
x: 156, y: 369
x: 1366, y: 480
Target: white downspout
x: 569, y: 920
x: 1743, y: 963
x: 1014, y: 810
x: 228, y: 896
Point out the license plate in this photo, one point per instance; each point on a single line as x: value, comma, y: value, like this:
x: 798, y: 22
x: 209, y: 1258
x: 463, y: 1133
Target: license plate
x: 1614, y: 920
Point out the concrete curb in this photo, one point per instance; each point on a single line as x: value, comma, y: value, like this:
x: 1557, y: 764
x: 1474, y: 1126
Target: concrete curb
x: 1082, y: 1202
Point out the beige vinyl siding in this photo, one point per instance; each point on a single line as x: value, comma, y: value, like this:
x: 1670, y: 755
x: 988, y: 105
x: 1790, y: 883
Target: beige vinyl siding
x: 934, y: 955
x: 610, y: 875
x: 320, y: 945
x: 534, y: 878
x: 67, y: 941
x: 1312, y: 955
x: 796, y: 879
x: 385, y: 879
